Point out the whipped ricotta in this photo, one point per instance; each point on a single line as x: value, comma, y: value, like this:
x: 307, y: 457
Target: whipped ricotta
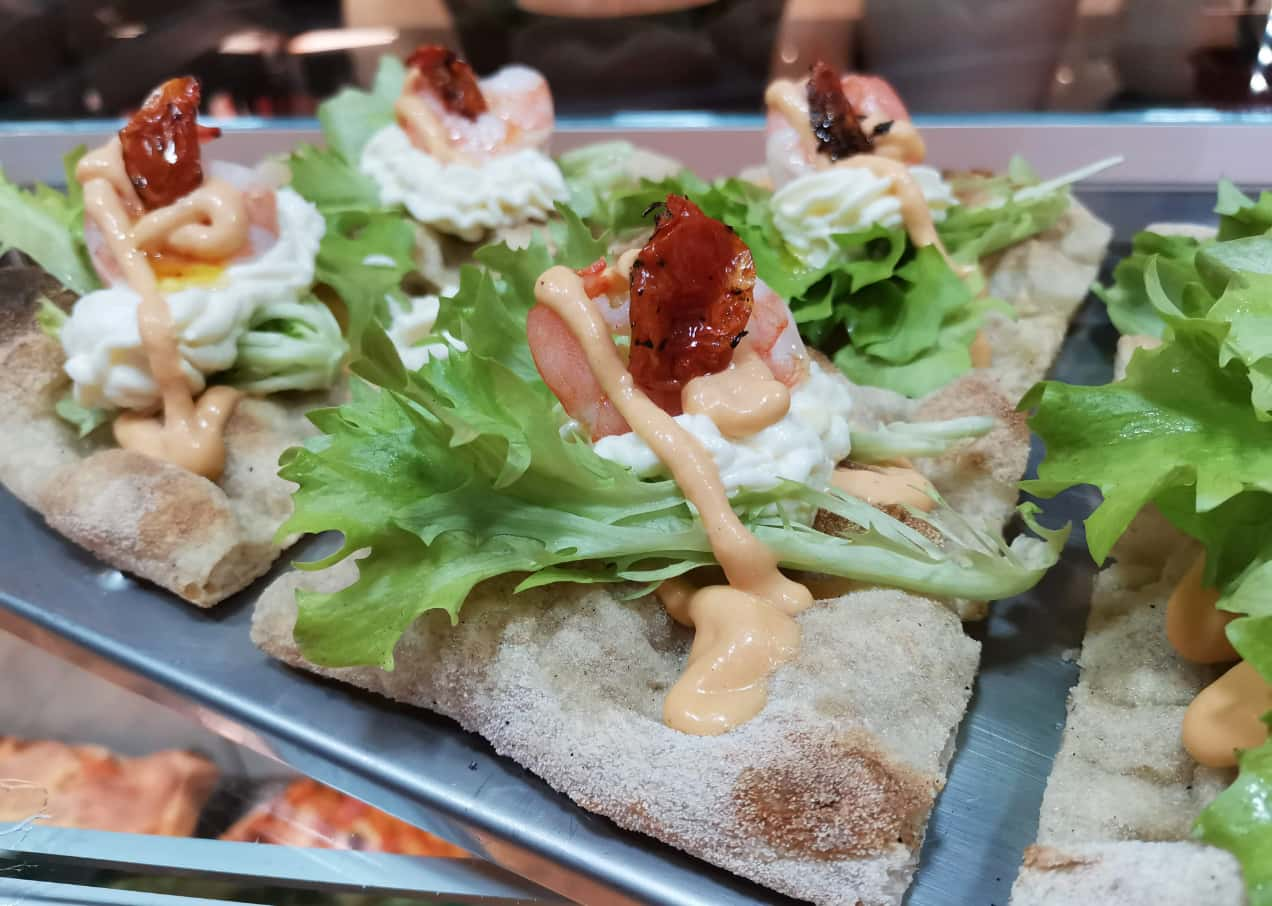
x: 811, y: 210
x: 411, y: 330
x: 804, y: 446
x: 104, y: 353
x: 461, y: 199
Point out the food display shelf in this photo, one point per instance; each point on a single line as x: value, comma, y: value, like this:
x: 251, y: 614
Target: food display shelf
x: 539, y: 845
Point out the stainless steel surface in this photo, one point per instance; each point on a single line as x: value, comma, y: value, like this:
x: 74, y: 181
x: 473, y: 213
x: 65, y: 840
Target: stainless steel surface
x: 30, y: 893
x: 465, y: 880
x: 415, y: 765
x: 426, y: 770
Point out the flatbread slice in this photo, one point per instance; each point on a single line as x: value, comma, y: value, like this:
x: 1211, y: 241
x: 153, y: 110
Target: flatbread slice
x: 1129, y: 874
x: 825, y: 796
x: 198, y: 539
x: 1123, y: 794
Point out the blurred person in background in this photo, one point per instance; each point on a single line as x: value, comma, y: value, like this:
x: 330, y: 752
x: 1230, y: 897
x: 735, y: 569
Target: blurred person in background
x: 84, y: 58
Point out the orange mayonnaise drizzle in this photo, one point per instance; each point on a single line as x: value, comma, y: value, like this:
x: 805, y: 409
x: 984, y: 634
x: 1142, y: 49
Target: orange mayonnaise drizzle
x: 882, y: 486
x: 1225, y: 716
x: 208, y: 224
x: 742, y: 400
x: 743, y: 629
x: 893, y: 150
x: 981, y: 351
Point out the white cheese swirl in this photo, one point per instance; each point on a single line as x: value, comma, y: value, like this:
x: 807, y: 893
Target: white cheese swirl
x: 804, y: 446
x: 104, y: 353
x: 411, y: 330
x: 462, y: 199
x: 811, y: 210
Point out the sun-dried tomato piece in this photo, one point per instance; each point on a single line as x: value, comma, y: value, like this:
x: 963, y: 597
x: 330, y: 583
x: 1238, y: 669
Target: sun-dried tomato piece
x: 161, y: 144
x: 834, y: 122
x: 691, y: 298
x: 594, y: 283
x: 450, y: 78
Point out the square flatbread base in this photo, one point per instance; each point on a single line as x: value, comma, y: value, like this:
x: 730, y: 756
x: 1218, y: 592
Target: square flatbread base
x: 825, y: 796
x: 1123, y: 794
x: 199, y: 539
x: 1121, y: 778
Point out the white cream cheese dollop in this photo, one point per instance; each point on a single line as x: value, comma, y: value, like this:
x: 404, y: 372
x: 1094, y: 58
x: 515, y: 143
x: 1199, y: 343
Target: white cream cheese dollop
x: 104, y: 354
x: 804, y: 446
x: 462, y: 199
x: 411, y: 330
x: 812, y: 209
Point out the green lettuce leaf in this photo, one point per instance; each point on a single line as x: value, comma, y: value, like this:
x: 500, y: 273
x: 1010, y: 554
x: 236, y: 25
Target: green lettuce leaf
x: 460, y: 472
x: 1241, y: 216
x: 50, y: 318
x: 1240, y: 821
x: 904, y: 439
x: 1130, y: 308
x: 1178, y: 420
x: 330, y: 181
x: 971, y: 233
x: 363, y: 257
x: 86, y: 421
x: 351, y: 117
x: 1008, y: 208
x: 48, y: 226
x: 1192, y: 274
x: 288, y: 346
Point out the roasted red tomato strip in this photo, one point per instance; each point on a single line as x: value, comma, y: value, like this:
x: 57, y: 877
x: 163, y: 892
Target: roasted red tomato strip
x: 161, y: 144
x: 450, y: 78
x: 691, y: 298
x: 835, y: 125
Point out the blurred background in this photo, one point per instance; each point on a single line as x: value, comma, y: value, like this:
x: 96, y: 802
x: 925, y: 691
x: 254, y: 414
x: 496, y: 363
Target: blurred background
x: 64, y: 59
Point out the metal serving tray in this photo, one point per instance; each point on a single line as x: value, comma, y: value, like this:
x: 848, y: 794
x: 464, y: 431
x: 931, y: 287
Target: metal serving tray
x: 426, y: 770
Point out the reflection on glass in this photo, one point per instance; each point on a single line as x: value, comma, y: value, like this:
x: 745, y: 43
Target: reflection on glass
x: 265, y: 57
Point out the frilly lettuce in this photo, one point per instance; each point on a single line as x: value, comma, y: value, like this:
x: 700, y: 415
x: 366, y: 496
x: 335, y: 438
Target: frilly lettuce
x: 367, y: 249
x: 904, y: 439
x: 1189, y: 281
x: 1130, y: 308
x: 1239, y: 821
x: 460, y: 472
x: 288, y: 346
x: 48, y: 226
x: 1241, y: 216
x: 1007, y: 209
x: 351, y: 117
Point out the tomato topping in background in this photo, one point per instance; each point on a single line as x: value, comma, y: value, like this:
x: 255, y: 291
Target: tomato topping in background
x: 160, y: 143
x: 832, y: 117
x: 593, y: 275
x: 450, y: 79
x: 691, y: 298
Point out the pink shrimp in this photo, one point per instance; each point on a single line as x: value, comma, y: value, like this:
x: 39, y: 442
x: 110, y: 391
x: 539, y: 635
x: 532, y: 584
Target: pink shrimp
x: 563, y: 365
x: 504, y: 112
x: 788, y: 152
x: 262, y: 214
x: 773, y: 334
